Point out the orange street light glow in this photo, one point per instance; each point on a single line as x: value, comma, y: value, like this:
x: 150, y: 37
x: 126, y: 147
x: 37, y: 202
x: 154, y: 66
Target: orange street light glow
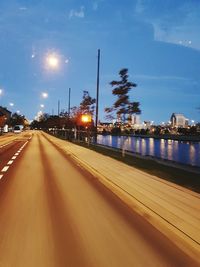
x: 86, y: 118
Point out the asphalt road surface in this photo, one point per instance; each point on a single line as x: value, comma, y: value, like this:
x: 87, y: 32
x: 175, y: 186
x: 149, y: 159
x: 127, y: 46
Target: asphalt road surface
x: 55, y: 214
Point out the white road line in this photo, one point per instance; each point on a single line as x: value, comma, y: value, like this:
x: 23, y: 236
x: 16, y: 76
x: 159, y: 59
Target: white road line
x: 5, y: 168
x: 6, y: 144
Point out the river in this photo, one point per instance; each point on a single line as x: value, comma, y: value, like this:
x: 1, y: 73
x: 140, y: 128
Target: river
x: 178, y: 151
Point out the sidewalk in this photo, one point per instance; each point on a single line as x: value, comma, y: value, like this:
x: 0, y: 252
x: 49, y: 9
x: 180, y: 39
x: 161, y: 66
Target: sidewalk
x: 172, y: 209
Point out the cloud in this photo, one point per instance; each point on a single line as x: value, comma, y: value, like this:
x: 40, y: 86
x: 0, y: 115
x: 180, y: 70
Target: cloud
x: 23, y: 8
x: 96, y: 4
x: 175, y: 22
x: 77, y: 13
x: 139, y: 7
x: 152, y: 77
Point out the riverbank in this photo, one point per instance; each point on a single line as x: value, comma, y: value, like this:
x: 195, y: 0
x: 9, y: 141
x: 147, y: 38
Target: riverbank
x: 184, y: 138
x: 180, y: 174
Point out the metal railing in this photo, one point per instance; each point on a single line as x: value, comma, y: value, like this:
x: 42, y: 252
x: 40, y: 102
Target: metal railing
x: 73, y: 135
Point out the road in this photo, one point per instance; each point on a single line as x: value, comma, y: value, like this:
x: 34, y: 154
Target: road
x: 54, y: 213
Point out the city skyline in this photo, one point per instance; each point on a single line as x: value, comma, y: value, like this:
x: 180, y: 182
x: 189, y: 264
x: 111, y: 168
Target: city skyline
x: 157, y: 41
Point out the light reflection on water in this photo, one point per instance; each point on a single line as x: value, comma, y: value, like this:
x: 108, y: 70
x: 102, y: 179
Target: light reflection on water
x: 183, y: 152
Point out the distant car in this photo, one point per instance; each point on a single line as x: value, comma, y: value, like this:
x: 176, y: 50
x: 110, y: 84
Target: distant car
x: 17, y: 129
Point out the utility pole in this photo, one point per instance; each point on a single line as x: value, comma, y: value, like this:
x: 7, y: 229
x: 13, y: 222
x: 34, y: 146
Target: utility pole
x: 69, y: 102
x: 58, y: 107
x: 97, y: 95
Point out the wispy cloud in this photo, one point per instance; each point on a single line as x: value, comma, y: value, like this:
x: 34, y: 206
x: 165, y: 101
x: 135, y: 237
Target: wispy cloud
x: 139, y: 7
x: 176, y: 23
x: 77, y: 13
x: 23, y: 8
x: 96, y: 4
x: 152, y: 77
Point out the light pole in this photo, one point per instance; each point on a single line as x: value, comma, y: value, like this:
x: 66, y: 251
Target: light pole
x: 97, y: 95
x: 69, y: 100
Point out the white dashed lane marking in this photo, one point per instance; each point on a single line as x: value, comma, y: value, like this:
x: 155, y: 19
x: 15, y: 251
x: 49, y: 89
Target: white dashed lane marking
x: 5, y: 168
x: 6, y: 144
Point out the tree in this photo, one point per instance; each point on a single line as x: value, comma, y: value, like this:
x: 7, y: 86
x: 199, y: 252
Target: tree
x: 17, y: 119
x: 123, y: 107
x: 86, y: 107
x: 87, y: 104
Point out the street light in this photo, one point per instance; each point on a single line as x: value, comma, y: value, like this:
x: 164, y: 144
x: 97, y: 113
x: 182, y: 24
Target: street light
x: 86, y: 118
x: 44, y: 95
x: 52, y: 61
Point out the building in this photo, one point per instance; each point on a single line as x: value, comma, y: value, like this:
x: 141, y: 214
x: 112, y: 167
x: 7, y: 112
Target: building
x: 178, y: 120
x: 135, y: 119
x: 4, y: 116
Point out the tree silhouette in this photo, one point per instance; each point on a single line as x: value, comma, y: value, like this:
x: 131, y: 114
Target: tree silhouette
x: 87, y: 104
x: 122, y: 107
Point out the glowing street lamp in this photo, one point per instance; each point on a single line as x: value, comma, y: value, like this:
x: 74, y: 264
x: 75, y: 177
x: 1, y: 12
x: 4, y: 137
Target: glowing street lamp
x: 42, y: 106
x: 86, y: 118
x: 11, y: 104
x: 1, y: 92
x: 44, y: 95
x: 52, y: 61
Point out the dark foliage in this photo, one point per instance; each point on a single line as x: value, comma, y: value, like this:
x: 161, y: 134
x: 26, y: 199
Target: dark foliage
x: 122, y: 107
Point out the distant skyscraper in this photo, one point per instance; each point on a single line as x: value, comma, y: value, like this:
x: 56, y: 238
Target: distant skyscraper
x: 178, y: 120
x: 135, y: 119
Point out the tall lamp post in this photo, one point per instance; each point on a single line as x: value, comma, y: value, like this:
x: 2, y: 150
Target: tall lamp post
x: 69, y: 102
x: 97, y: 95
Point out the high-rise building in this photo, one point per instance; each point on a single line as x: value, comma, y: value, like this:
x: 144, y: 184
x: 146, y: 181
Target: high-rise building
x: 135, y: 119
x: 178, y: 120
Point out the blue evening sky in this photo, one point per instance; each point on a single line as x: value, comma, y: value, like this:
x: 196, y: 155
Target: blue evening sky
x: 157, y: 40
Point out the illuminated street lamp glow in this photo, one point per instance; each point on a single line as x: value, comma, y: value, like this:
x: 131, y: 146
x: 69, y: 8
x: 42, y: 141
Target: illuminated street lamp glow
x: 86, y: 118
x: 18, y: 111
x: 42, y: 106
x: 1, y: 92
x: 11, y: 104
x: 52, y: 61
x: 44, y: 95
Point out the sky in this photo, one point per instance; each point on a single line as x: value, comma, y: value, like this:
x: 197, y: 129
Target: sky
x: 157, y: 40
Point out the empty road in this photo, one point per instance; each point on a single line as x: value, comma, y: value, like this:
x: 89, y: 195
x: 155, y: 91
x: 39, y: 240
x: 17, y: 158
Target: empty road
x: 55, y: 214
